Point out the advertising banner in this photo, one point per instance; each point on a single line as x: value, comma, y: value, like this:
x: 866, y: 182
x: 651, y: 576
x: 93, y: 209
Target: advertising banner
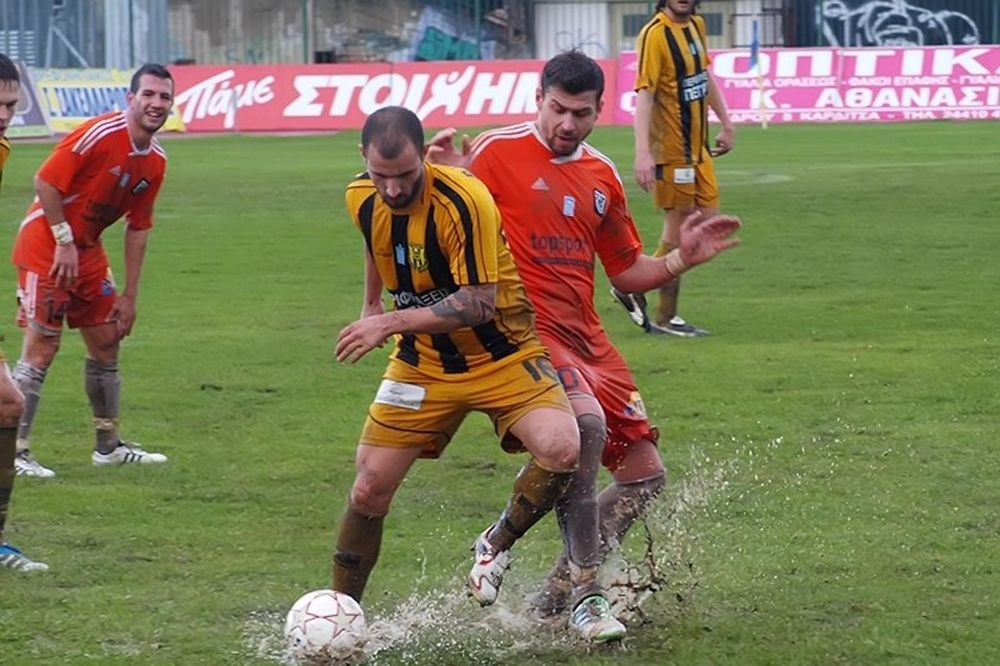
x: 71, y: 96
x: 29, y: 117
x: 847, y: 85
x: 284, y: 98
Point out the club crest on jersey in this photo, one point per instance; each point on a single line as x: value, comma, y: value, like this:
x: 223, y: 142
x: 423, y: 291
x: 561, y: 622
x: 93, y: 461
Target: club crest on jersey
x: 418, y: 257
x: 600, y: 202
x: 140, y: 186
x: 635, y: 407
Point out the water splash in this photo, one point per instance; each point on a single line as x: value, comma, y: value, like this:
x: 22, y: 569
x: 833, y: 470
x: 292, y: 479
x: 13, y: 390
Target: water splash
x: 652, y: 579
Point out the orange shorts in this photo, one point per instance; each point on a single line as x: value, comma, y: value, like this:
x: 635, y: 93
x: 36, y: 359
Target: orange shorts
x: 412, y: 409
x: 44, y: 305
x: 686, y: 186
x: 607, y: 378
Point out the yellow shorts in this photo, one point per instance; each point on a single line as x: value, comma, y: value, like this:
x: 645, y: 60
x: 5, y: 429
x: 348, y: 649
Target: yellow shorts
x: 412, y: 409
x: 686, y: 186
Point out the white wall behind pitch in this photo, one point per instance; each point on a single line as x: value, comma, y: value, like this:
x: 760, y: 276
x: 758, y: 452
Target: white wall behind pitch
x: 561, y: 26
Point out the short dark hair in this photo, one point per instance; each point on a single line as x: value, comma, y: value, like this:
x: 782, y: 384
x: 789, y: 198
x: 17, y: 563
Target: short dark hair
x: 663, y: 3
x: 159, y: 71
x: 390, y: 128
x: 8, y: 70
x: 574, y: 72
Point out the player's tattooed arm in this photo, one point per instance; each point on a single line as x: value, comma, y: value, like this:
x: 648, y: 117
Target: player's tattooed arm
x: 469, y: 306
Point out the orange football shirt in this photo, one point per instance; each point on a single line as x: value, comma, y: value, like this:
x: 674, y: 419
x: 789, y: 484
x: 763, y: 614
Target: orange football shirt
x: 557, y: 214
x: 102, y: 177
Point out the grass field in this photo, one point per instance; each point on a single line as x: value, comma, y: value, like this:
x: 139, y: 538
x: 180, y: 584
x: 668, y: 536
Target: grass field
x: 832, y: 447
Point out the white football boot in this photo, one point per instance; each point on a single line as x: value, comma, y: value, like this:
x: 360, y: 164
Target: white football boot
x: 593, y: 620
x: 12, y: 558
x: 488, y: 568
x: 26, y: 465
x: 127, y: 453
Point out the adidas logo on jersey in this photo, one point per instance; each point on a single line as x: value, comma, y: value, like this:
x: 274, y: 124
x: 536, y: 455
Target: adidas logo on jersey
x: 540, y: 185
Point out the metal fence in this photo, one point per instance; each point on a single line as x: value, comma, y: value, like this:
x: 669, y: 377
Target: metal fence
x: 125, y: 33
x: 84, y: 33
x: 47, y: 33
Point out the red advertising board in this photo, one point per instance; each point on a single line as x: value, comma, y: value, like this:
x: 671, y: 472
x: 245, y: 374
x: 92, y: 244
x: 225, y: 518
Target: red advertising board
x: 847, y: 85
x: 335, y: 97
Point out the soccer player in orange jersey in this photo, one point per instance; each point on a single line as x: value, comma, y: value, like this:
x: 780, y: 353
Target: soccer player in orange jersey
x: 109, y: 167
x: 11, y: 400
x: 563, y: 206
x: 674, y: 89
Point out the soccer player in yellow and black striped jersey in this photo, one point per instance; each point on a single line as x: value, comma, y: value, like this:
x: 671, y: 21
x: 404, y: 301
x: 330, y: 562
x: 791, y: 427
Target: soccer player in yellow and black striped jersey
x: 465, y: 341
x: 674, y: 89
x: 425, y: 249
x: 11, y: 399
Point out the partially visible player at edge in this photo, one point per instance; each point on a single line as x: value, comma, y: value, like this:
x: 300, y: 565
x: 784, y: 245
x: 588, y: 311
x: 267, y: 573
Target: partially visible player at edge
x: 110, y: 166
x: 465, y: 341
x: 674, y: 88
x: 11, y: 400
x: 562, y: 203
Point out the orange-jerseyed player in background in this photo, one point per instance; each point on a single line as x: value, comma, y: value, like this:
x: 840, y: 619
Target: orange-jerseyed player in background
x: 109, y: 167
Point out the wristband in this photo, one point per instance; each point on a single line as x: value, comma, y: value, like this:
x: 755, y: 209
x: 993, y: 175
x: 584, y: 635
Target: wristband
x: 63, y: 233
x: 675, y: 263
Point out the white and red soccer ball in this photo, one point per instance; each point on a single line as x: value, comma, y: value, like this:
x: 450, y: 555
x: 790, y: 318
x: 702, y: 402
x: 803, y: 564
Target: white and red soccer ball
x: 324, y: 626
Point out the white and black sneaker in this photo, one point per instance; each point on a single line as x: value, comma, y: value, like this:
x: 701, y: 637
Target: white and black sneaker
x: 593, y: 620
x: 635, y: 307
x: 127, y: 453
x: 678, y: 327
x: 26, y: 465
x: 13, y: 558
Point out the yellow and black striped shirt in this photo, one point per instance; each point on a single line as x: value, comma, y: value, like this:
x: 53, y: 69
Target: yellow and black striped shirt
x: 447, y: 238
x: 673, y: 66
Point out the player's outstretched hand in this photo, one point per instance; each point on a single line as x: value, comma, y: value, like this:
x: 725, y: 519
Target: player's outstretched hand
x: 702, y: 238
x: 441, y: 149
x: 360, y: 337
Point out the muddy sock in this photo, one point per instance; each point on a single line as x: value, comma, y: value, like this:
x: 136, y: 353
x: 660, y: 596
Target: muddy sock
x: 358, y: 543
